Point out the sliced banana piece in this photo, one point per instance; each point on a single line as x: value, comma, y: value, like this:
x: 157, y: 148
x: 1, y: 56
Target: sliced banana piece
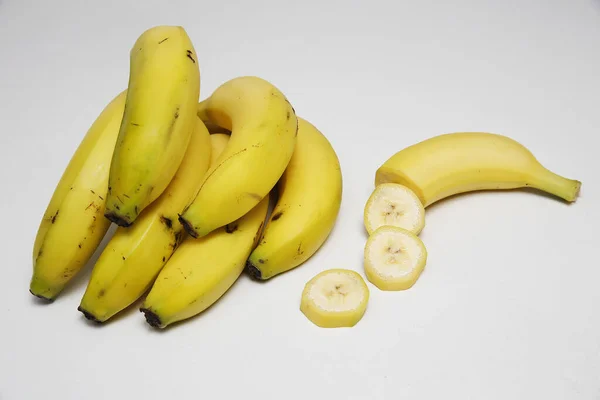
x: 394, y: 258
x: 335, y: 298
x: 395, y: 205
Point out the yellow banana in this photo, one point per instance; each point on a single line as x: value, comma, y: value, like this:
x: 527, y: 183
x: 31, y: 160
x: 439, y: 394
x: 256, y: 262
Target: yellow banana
x: 310, y: 194
x: 263, y: 129
x: 202, y: 270
x: 73, y: 225
x: 219, y: 142
x: 164, y: 85
x: 467, y: 161
x: 134, y: 256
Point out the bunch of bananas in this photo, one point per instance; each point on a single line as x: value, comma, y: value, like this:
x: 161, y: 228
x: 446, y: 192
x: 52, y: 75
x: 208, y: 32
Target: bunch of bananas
x: 203, y: 191
x: 192, y: 206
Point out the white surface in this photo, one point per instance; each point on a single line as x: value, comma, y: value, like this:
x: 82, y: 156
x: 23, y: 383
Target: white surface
x: 507, y: 307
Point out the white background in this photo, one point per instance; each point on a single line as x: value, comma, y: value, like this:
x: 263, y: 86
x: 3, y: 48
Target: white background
x: 508, y: 306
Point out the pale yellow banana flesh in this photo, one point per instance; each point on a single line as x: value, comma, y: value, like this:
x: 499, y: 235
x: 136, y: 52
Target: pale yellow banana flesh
x: 310, y: 194
x: 394, y: 258
x: 73, y: 225
x: 164, y: 85
x: 467, y: 161
x: 203, y: 269
x: 396, y: 205
x: 135, y: 255
x: 263, y: 128
x: 335, y: 298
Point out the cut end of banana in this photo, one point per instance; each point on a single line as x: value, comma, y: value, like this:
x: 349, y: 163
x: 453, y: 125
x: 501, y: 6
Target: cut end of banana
x: 335, y: 298
x: 394, y: 258
x: 392, y: 204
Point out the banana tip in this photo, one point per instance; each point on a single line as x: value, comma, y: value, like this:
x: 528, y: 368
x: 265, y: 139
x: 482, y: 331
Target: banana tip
x: 253, y: 272
x: 117, y: 219
x: 39, y: 296
x: 189, y: 228
x: 151, y: 318
x: 88, y: 315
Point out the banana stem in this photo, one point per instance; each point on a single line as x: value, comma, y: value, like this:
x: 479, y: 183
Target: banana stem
x: 567, y: 189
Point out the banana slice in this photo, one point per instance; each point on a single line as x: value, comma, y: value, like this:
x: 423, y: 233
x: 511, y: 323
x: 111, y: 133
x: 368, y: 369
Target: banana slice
x: 396, y: 205
x: 335, y: 298
x: 394, y: 258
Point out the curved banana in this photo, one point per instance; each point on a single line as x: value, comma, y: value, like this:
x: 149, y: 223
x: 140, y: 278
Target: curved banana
x: 134, y: 255
x: 164, y: 85
x: 467, y: 161
x: 202, y: 270
x: 73, y: 225
x: 310, y: 194
x: 264, y: 127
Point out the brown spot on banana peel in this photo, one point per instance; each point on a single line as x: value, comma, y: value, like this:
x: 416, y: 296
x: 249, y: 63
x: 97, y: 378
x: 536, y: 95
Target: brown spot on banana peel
x: 258, y: 234
x: 53, y: 219
x: 299, y: 251
x: 167, y: 221
x: 188, y: 227
x: 178, y: 240
x: 164, y: 40
x: 255, y: 196
x: 276, y: 216
x: 179, y: 237
x: 170, y: 130
x: 292, y: 107
x: 230, y: 228
x: 189, y: 55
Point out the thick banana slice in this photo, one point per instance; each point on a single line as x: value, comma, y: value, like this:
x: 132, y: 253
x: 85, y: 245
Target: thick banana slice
x: 335, y: 298
x: 396, y: 205
x: 394, y: 258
